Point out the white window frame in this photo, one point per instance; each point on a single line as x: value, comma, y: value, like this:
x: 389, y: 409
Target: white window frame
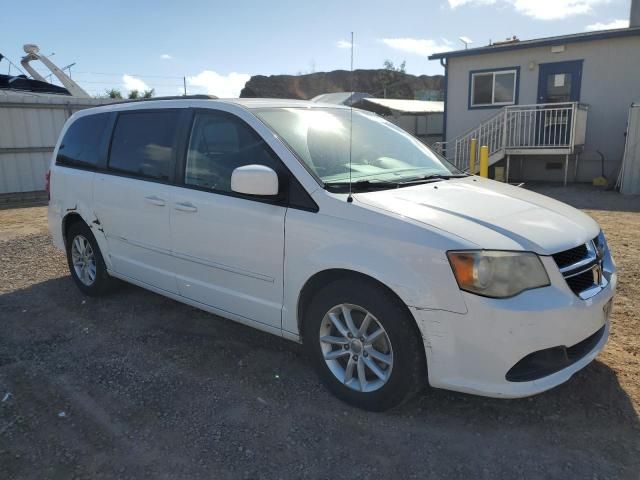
x: 493, y: 87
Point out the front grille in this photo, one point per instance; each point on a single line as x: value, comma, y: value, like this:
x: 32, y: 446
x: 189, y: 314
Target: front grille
x: 571, y: 256
x: 578, y: 263
x: 581, y: 282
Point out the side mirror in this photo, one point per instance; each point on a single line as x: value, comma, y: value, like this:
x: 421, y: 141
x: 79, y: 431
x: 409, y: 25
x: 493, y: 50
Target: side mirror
x: 255, y: 180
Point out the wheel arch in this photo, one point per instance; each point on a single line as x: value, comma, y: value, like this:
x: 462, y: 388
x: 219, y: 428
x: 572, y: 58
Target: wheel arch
x: 69, y: 219
x: 324, y: 277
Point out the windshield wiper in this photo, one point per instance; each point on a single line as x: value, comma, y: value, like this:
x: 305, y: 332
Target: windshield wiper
x: 361, y: 185
x: 431, y: 177
x: 364, y: 185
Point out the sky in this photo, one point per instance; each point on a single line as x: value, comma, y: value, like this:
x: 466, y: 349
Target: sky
x: 217, y: 45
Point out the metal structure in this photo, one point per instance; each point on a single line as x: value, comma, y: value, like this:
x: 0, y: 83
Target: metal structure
x: 29, y: 128
x: 33, y: 53
x: 32, y: 114
x: 539, y: 129
x: 629, y: 177
x: 421, y: 118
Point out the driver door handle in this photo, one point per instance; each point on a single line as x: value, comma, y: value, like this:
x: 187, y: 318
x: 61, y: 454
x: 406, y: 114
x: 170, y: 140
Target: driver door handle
x: 153, y: 200
x: 185, y: 207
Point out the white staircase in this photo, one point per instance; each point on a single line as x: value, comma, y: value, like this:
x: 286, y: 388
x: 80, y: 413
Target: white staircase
x: 540, y: 129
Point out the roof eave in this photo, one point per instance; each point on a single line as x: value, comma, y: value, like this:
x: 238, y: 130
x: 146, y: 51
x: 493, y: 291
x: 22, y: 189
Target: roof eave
x: 599, y: 35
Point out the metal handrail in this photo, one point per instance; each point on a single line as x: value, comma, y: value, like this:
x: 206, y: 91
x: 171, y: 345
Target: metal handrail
x: 534, y: 126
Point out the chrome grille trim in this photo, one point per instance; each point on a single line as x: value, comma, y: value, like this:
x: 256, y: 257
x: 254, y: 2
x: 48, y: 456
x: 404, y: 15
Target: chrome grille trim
x: 592, y: 256
x: 591, y: 262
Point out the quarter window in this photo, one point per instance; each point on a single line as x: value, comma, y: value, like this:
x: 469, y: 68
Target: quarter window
x: 219, y: 144
x: 144, y: 143
x: 493, y: 88
x: 82, y: 142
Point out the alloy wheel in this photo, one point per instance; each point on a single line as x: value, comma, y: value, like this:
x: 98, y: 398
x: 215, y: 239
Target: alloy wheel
x: 83, y: 260
x: 356, y: 348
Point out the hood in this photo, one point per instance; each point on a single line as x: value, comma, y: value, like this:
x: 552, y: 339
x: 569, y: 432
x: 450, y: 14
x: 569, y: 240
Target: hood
x: 490, y: 214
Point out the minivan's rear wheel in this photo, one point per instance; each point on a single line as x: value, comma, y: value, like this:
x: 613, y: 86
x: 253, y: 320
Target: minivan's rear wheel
x: 85, y: 261
x: 363, y: 344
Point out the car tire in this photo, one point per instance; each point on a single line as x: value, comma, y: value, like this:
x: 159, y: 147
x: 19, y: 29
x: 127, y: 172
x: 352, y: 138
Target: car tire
x: 397, y: 352
x: 85, y: 261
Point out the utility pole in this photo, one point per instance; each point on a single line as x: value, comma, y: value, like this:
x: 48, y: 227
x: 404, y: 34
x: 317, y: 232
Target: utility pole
x: 68, y: 67
x: 184, y: 81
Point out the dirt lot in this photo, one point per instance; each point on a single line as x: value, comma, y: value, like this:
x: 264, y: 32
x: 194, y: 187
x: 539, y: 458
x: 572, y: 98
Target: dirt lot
x: 136, y: 385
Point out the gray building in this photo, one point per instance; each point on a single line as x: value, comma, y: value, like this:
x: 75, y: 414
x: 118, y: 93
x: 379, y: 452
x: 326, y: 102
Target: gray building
x: 545, y: 107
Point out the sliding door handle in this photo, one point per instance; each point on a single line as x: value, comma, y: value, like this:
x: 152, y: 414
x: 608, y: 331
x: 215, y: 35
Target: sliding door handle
x: 185, y: 207
x: 153, y: 200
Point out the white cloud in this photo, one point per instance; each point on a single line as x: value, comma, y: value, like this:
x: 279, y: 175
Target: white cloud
x: 540, y: 9
x: 132, y: 83
x: 417, y: 46
x: 213, y: 83
x: 343, y: 44
x: 620, y: 23
x: 459, y: 3
x: 166, y: 56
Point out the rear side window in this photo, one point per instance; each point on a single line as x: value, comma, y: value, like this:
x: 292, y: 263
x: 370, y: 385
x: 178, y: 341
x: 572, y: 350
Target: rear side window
x: 220, y: 143
x: 143, y: 143
x: 82, y: 142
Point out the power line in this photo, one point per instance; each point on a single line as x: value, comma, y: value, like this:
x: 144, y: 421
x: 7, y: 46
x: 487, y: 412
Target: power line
x: 130, y: 74
x: 11, y: 64
x: 178, y: 84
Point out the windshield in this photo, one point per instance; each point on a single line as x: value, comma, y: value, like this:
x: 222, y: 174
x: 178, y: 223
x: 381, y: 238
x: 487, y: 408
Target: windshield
x: 381, y: 152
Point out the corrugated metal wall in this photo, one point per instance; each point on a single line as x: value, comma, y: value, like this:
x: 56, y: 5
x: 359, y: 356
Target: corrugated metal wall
x: 29, y: 128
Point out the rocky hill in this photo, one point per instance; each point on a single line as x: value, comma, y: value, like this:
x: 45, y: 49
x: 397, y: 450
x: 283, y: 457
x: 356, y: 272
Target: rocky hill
x: 376, y: 82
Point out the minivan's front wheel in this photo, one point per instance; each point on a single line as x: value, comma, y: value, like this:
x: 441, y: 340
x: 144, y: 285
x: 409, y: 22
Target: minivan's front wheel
x: 363, y: 344
x: 86, y: 264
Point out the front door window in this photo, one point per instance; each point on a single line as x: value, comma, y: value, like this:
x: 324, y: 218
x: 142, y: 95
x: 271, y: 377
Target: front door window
x: 558, y: 87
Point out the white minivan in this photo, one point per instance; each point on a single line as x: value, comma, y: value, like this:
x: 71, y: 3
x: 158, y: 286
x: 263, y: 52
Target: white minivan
x: 334, y: 228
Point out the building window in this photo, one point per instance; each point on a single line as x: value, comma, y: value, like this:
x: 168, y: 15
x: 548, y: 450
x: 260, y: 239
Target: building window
x: 493, y: 88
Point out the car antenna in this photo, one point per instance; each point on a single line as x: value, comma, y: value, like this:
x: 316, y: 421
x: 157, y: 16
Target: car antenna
x: 350, y: 197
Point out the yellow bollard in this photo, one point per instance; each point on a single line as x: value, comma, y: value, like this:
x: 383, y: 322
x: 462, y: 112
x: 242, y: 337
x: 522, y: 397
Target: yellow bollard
x: 484, y: 161
x: 473, y: 153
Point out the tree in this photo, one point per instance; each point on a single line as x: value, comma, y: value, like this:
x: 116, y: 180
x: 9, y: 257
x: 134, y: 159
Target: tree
x: 113, y: 93
x: 388, y: 65
x: 390, y: 77
x: 137, y: 95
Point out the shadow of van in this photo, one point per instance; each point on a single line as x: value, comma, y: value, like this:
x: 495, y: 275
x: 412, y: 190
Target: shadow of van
x: 146, y: 379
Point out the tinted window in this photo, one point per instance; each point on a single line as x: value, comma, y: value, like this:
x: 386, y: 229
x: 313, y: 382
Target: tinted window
x: 144, y: 143
x: 220, y: 143
x: 82, y: 142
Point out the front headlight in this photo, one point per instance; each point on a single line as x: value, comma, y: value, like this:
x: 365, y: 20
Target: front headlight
x: 497, y: 274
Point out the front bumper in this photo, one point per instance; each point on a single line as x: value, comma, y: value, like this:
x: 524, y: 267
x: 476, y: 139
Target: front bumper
x: 474, y: 352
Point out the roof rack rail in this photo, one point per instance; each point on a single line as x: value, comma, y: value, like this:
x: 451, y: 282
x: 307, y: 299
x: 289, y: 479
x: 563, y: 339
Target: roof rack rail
x: 174, y: 97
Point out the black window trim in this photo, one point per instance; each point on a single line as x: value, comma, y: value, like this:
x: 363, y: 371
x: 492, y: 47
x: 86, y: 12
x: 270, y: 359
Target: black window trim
x: 181, y: 145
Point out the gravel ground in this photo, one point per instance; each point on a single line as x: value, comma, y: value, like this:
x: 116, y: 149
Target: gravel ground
x: 136, y: 385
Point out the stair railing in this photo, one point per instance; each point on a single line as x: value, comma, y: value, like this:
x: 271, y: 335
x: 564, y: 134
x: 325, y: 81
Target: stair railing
x: 537, y: 126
